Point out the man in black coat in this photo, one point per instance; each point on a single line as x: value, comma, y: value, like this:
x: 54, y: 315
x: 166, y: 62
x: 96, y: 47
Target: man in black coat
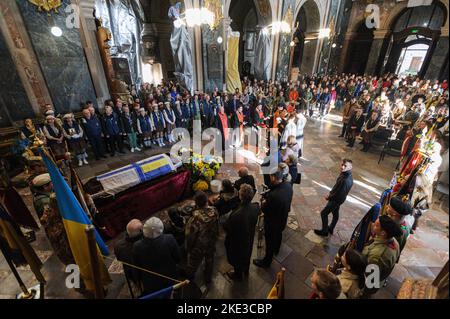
x: 123, y: 249
x: 156, y: 252
x: 245, y: 178
x: 355, y: 126
x: 276, y: 206
x: 336, y: 198
x: 240, y: 229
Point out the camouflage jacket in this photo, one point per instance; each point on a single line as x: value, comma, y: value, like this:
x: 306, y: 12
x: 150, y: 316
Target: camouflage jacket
x: 202, y: 230
x: 41, y: 201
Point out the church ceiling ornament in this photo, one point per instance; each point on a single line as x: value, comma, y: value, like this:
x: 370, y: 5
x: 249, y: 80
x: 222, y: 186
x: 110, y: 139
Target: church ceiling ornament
x: 264, y: 8
x: 47, y: 5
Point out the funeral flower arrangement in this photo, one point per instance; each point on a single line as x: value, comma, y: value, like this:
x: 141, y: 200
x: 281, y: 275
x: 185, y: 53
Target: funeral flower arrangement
x: 203, y: 169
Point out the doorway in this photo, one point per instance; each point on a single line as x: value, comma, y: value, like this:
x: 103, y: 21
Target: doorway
x: 411, y: 59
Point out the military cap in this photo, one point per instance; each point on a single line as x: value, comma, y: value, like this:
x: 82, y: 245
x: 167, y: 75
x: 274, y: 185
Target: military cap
x: 400, y: 206
x: 41, y: 180
x: 390, y: 226
x: 35, y: 160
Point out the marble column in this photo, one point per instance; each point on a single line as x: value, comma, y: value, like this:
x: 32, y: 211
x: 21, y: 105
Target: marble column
x: 276, y: 45
x: 309, y: 54
x: 198, y: 57
x: 343, y: 60
x: 89, y: 42
x: 376, y: 50
x: 62, y: 59
x: 440, y: 54
x: 25, y: 65
x: 226, y: 21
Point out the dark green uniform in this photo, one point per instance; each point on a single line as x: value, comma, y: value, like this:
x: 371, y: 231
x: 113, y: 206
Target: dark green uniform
x: 384, y: 253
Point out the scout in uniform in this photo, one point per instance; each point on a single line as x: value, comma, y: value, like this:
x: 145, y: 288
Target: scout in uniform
x: 398, y: 210
x: 383, y: 250
x: 45, y: 204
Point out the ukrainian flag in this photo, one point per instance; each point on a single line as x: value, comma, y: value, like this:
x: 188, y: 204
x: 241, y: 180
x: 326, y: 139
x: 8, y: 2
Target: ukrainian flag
x: 75, y: 222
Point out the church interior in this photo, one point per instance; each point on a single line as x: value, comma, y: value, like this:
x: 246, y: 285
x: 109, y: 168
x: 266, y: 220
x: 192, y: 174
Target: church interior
x: 199, y: 149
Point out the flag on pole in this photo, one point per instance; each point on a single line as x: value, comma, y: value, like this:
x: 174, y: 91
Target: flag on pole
x: 165, y: 293
x: 16, y: 247
x: 75, y: 222
x: 277, y: 291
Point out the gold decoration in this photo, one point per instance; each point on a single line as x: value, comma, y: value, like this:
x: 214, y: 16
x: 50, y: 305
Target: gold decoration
x: 289, y: 16
x: 215, y: 6
x: 119, y: 89
x: 264, y: 8
x: 47, y: 5
x: 332, y: 28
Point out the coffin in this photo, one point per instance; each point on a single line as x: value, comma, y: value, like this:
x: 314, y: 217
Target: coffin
x: 137, y: 191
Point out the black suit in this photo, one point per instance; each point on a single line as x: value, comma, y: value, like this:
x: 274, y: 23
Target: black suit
x: 276, y: 210
x: 354, y: 128
x: 123, y: 250
x: 249, y: 180
x: 159, y: 255
x: 240, y: 229
x: 337, y: 197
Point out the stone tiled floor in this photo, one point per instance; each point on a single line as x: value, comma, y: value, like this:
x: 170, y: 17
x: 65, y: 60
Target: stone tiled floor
x: 425, y: 253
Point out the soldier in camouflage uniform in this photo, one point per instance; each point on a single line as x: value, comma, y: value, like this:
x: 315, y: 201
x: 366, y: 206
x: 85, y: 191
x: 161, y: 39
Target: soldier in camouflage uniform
x: 202, y: 230
x: 398, y: 210
x: 46, y: 206
x: 383, y: 250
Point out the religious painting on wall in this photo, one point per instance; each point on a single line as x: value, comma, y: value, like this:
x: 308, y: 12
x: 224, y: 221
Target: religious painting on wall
x: 214, y: 61
x: 249, y: 41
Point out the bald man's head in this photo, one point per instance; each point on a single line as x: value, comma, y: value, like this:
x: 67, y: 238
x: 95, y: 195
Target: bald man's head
x: 243, y: 171
x: 134, y: 228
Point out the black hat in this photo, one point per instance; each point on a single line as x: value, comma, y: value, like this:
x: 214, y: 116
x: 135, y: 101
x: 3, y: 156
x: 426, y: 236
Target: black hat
x: 400, y: 206
x: 390, y: 226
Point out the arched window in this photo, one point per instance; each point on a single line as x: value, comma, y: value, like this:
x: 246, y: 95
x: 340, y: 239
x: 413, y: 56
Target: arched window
x: 415, y: 34
x: 431, y: 17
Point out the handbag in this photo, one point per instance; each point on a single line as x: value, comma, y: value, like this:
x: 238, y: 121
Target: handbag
x: 298, y: 180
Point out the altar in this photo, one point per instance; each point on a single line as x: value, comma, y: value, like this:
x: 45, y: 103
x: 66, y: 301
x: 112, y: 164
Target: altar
x: 137, y: 191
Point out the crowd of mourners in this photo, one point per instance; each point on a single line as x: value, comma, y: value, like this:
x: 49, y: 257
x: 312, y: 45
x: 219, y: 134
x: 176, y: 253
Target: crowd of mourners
x: 177, y: 247
x: 369, y: 105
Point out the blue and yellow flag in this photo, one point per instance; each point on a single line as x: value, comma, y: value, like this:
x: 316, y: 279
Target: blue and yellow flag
x: 75, y: 222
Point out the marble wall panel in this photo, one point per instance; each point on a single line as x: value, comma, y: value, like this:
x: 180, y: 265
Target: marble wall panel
x: 437, y: 61
x: 62, y: 59
x: 13, y: 95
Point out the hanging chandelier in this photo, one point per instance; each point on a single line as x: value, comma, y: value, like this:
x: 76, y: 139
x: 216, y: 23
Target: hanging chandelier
x: 195, y: 17
x: 277, y: 27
